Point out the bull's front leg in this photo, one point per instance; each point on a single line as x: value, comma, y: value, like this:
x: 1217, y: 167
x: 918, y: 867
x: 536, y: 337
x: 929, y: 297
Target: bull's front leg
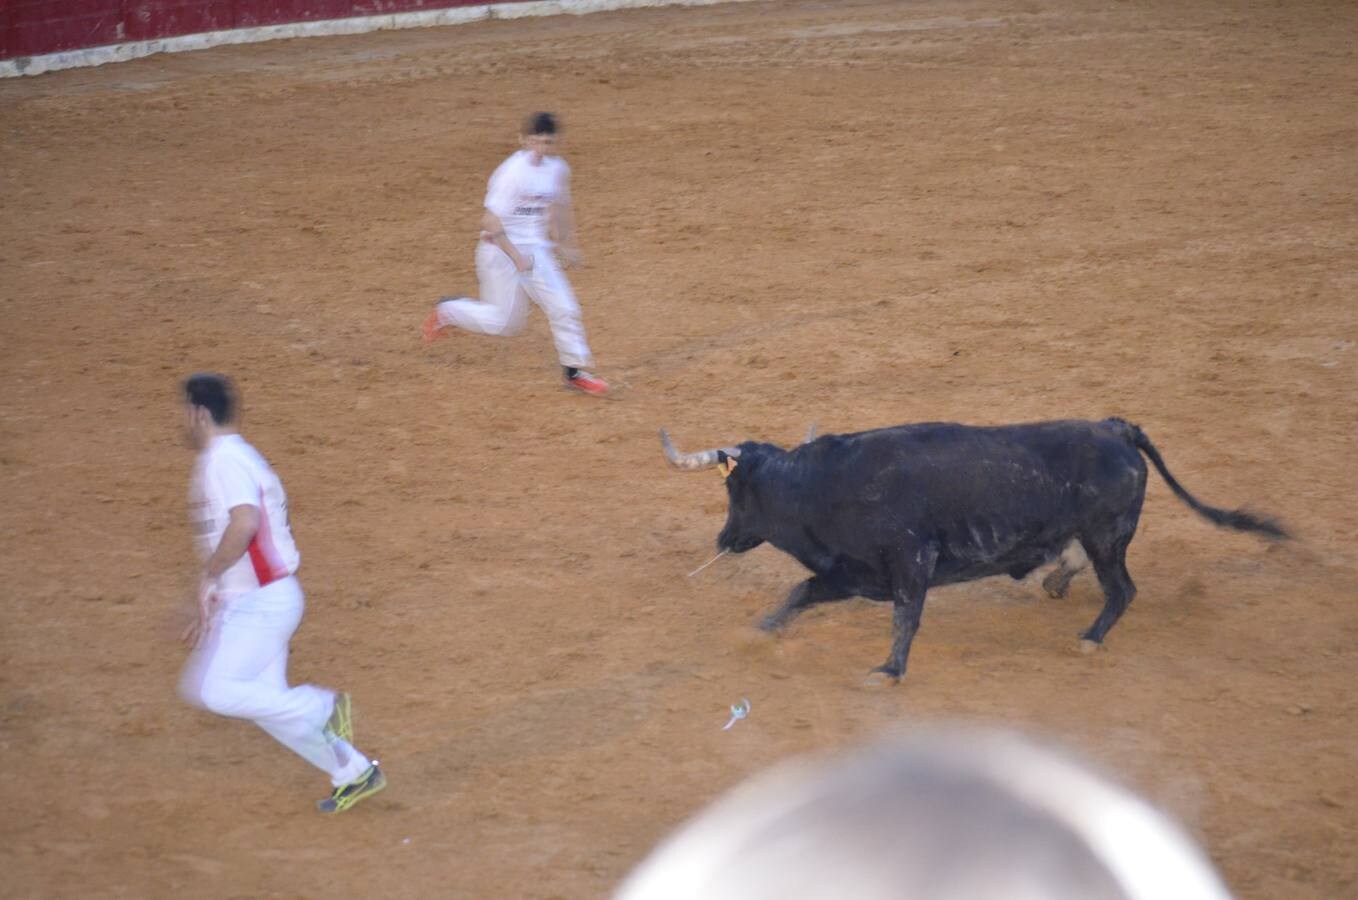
x: 810, y: 592
x: 910, y: 569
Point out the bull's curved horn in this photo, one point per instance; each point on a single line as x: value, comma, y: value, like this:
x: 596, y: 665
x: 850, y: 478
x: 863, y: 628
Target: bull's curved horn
x: 810, y: 434
x: 703, y: 459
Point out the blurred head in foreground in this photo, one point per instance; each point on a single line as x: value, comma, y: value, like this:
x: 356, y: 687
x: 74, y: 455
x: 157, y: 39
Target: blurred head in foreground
x: 942, y: 815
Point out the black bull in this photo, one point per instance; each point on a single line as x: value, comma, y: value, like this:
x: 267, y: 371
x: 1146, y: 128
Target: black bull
x: 888, y: 514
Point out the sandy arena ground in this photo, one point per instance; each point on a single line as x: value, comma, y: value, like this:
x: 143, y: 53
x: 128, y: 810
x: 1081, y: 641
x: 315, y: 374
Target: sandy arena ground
x: 856, y: 213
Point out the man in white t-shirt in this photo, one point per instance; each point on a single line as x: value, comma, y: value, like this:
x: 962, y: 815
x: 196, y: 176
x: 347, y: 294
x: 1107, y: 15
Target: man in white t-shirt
x: 527, y: 217
x: 249, y: 603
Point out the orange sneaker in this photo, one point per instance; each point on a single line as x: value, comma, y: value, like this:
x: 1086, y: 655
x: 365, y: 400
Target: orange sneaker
x: 586, y: 383
x: 432, y: 330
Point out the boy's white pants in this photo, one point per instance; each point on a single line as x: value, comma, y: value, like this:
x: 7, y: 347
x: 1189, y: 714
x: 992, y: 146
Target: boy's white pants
x: 505, y: 294
x: 240, y: 670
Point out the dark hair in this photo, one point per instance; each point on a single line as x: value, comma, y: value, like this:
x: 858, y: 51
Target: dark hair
x: 539, y: 123
x: 214, y: 393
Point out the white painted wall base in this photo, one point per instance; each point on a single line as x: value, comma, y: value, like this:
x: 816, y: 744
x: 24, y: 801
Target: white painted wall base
x: 95, y: 56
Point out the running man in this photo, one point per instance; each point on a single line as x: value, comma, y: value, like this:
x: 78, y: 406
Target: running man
x: 528, y: 216
x: 249, y: 603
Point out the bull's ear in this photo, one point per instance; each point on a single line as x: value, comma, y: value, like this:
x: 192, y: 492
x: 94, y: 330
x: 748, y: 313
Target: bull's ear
x: 725, y: 464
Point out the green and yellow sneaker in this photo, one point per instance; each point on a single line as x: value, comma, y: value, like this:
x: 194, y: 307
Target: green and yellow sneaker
x: 346, y: 795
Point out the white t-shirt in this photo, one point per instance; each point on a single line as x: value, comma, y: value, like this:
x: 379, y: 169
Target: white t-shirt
x: 520, y: 193
x: 231, y: 473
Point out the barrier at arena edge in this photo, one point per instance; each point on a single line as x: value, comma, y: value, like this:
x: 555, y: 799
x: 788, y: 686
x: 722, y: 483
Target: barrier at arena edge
x: 39, y: 36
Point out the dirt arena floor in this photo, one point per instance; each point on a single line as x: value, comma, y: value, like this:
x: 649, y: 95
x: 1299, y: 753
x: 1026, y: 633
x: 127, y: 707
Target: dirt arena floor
x: 853, y: 213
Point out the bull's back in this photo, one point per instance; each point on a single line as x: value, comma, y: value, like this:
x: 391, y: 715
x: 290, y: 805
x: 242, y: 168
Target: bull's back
x: 1067, y: 450
x: 944, y: 460
x: 992, y: 498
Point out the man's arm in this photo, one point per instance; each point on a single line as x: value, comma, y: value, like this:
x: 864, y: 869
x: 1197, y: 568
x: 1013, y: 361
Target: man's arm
x: 561, y: 223
x: 493, y: 230
x: 241, y: 528
x: 240, y: 531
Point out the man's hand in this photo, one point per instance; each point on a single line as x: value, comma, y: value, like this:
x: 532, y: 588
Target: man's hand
x: 493, y: 231
x: 570, y: 256
x: 207, y: 602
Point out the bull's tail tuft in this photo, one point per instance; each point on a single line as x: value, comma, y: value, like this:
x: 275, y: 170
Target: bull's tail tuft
x: 1229, y: 518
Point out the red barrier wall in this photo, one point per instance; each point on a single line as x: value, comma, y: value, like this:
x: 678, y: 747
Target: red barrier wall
x: 35, y: 27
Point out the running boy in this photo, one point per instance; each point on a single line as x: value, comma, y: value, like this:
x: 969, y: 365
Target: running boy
x: 527, y: 216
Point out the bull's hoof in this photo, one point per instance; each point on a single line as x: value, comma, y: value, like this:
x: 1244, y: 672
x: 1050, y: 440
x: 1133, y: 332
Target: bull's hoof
x: 754, y: 639
x: 882, y: 677
x: 1087, y: 646
x: 771, y: 624
x: 1056, y: 585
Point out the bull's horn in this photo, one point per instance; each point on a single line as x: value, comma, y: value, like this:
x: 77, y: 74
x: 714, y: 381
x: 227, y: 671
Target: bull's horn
x: 703, y: 459
x: 810, y: 434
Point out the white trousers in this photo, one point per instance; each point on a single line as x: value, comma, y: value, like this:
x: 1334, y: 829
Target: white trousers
x: 240, y: 670
x: 505, y: 295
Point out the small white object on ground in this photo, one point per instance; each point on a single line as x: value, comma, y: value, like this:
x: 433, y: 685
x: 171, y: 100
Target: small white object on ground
x: 706, y: 564
x: 738, y: 711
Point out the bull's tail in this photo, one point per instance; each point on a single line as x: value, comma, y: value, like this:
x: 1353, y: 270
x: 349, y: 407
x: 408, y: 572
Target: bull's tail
x: 1229, y: 518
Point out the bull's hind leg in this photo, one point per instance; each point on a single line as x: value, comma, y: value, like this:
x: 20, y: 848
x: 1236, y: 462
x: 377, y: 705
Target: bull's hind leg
x: 1070, y: 564
x: 1110, y: 564
x: 1057, y: 582
x: 810, y: 592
